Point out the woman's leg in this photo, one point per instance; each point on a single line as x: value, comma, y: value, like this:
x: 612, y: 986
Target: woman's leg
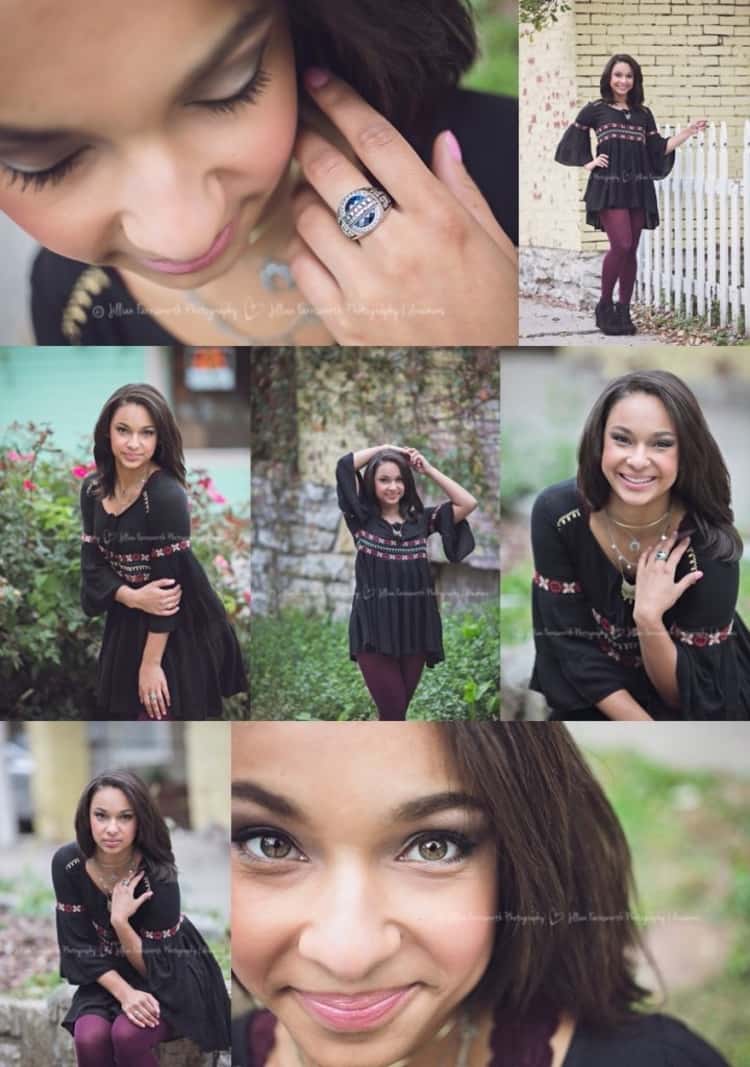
x: 382, y: 675
x: 411, y: 672
x: 134, y: 1046
x: 617, y: 225
x: 630, y: 265
x: 93, y: 1041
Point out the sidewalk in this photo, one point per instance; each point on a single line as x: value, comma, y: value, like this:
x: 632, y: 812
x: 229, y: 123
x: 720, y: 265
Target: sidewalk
x: 545, y: 323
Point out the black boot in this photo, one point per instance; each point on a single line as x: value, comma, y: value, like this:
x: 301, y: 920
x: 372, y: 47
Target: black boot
x: 606, y: 318
x: 623, y: 319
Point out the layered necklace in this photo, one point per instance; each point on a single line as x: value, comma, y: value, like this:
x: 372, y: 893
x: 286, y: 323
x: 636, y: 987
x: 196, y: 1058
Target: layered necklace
x: 124, y: 497
x: 468, y: 1032
x: 627, y: 566
x: 107, y: 875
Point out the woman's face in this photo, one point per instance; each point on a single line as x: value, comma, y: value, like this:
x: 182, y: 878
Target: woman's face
x: 622, y: 79
x: 132, y: 436
x: 113, y: 822
x: 389, y: 483
x: 364, y: 885
x: 166, y: 126
x: 640, y: 456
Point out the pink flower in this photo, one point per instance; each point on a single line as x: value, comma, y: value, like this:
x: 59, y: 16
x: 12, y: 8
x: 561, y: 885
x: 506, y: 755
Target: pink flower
x: 246, y: 595
x: 79, y: 472
x: 29, y: 485
x: 19, y: 457
x: 221, y: 564
x: 217, y: 498
x: 205, y: 482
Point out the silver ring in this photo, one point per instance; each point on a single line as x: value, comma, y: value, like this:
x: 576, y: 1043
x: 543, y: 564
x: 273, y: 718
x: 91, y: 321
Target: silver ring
x: 661, y: 554
x: 361, y: 211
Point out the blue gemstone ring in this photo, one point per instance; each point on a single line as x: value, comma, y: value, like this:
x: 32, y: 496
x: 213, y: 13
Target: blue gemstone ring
x: 362, y: 211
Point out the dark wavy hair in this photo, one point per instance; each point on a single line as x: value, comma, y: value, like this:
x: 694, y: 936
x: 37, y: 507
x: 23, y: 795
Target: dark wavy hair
x: 152, y: 835
x: 703, y: 482
x: 168, y: 454
x: 410, y: 505
x: 400, y: 55
x: 561, y: 852
x: 635, y: 95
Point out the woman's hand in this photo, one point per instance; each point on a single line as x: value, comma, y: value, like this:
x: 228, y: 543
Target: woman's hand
x: 598, y: 161
x: 124, y: 901
x: 656, y: 590
x: 696, y: 126
x: 141, y: 1008
x: 417, y: 460
x: 439, y: 270
x: 153, y: 691
x: 160, y: 597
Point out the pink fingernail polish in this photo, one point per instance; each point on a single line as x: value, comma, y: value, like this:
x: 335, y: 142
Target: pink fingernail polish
x: 453, y: 146
x: 316, y: 77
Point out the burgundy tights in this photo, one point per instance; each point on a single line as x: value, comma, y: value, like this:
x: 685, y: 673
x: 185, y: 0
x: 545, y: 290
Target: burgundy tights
x: 391, y: 681
x: 623, y: 227
x: 100, y: 1043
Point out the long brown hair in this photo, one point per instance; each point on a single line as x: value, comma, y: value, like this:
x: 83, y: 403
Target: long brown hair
x: 635, y: 95
x: 410, y: 505
x: 152, y: 836
x: 168, y: 454
x: 703, y: 482
x: 566, y: 938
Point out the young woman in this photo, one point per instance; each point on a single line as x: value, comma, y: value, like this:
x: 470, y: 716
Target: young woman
x: 394, y: 627
x: 203, y: 180
x: 168, y: 649
x: 409, y: 896
x: 636, y: 566
x: 620, y: 196
x: 144, y: 973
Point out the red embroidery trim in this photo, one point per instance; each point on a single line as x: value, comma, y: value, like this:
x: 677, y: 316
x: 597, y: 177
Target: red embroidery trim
x: 72, y: 908
x: 552, y: 585
x: 701, y: 638
x: 160, y: 935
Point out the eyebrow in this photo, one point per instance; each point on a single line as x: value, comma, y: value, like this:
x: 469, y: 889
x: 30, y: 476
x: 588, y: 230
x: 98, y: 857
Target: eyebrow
x: 124, y: 422
x: 656, y: 433
x: 409, y: 811
x: 19, y: 136
x: 125, y: 811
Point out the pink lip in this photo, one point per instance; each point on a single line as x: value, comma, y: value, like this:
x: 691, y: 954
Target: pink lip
x: 637, y: 488
x: 361, y: 1011
x: 189, y: 266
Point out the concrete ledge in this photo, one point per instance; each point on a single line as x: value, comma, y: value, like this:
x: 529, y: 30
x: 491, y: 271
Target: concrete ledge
x: 572, y: 277
x: 31, y: 1036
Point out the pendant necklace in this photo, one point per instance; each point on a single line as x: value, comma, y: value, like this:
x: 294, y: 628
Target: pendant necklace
x: 107, y: 882
x: 634, y: 544
x: 625, y: 566
x: 468, y: 1033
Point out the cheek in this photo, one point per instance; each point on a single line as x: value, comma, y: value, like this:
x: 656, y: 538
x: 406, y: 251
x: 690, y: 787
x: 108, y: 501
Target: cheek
x: 462, y: 946
x: 260, y: 927
x: 62, y: 223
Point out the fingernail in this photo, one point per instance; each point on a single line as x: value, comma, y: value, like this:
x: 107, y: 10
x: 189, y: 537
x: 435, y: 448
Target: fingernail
x: 453, y: 146
x: 316, y: 77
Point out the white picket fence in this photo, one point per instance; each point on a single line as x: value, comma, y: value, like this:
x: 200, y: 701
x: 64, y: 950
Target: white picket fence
x: 698, y: 260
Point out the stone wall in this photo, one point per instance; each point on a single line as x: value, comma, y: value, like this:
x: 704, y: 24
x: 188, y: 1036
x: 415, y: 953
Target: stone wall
x: 31, y: 1036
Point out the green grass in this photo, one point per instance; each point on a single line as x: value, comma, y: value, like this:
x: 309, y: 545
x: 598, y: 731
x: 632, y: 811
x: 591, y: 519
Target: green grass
x: 38, y: 986
x: 689, y: 832
x: 515, y: 605
x: 302, y: 670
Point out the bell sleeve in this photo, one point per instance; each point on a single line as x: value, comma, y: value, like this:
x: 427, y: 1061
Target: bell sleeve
x: 660, y: 160
x: 703, y: 628
x: 168, y: 534
x: 180, y: 970
x: 574, y: 149
x: 82, y: 959
x: 570, y: 670
x: 99, y: 583
x: 457, y: 538
x: 350, y: 493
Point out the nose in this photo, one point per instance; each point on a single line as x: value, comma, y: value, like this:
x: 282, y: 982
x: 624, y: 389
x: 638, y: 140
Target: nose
x: 348, y: 931
x: 638, y: 458
x: 169, y: 206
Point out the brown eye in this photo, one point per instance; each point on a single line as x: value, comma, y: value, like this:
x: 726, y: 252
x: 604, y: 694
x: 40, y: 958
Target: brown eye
x: 275, y: 848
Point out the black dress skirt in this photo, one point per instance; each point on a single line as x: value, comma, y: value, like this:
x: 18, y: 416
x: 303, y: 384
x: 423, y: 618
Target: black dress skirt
x: 586, y: 641
x: 647, y: 1041
x: 180, y: 970
x: 394, y: 610
x: 150, y: 540
x: 637, y: 154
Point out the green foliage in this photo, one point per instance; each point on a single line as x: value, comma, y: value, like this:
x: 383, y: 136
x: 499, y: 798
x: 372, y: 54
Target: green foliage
x: 540, y: 14
x: 48, y: 647
x: 496, y: 71
x: 515, y: 605
x: 302, y: 670
x: 530, y: 463
x: 38, y: 986
x: 36, y: 900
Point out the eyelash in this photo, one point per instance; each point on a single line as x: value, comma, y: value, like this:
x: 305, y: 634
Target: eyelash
x: 103, y: 815
x: 620, y: 440
x: 463, y: 844
x: 248, y: 94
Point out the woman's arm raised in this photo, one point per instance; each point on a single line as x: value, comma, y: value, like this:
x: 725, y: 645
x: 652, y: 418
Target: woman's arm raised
x: 462, y: 500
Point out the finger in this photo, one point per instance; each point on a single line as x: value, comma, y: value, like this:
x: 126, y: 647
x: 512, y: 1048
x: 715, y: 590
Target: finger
x: 376, y: 141
x: 164, y: 582
x: 678, y: 552
x: 687, y: 581
x: 319, y: 230
x: 319, y: 288
x: 142, y: 899
x: 448, y: 166
x: 326, y: 168
x: 165, y: 692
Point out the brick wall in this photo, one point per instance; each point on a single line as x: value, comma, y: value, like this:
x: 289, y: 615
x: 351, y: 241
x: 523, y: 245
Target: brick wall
x: 695, y: 56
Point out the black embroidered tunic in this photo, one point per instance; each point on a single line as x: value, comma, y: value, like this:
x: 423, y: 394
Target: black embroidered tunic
x: 150, y: 540
x: 180, y: 970
x: 637, y: 154
x: 586, y: 641
x: 648, y: 1041
x: 395, y: 605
